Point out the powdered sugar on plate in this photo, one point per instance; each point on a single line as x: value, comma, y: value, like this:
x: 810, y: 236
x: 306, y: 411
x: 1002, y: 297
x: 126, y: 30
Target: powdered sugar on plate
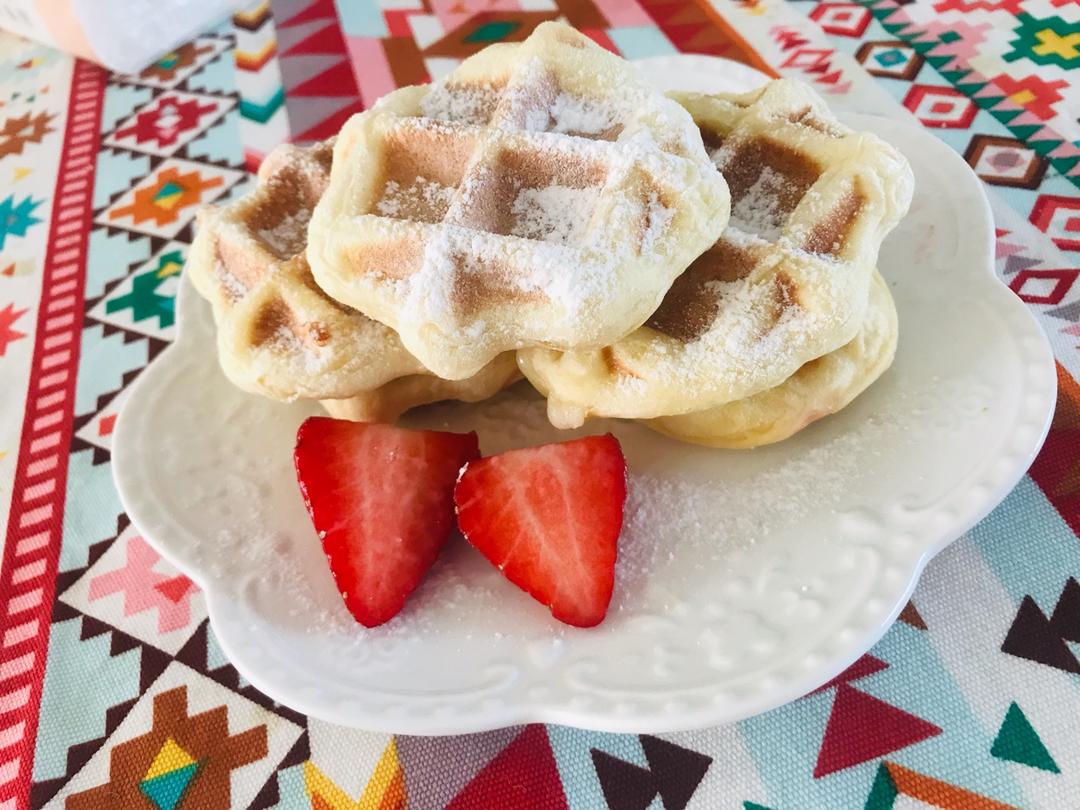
x: 682, y: 522
x: 671, y: 517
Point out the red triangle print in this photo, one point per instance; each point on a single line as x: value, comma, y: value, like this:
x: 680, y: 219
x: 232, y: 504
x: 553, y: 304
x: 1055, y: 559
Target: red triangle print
x: 865, y: 666
x: 862, y: 727
x: 335, y: 81
x: 662, y: 12
x: 175, y: 589
x: 524, y: 774
x: 319, y: 10
x: 325, y: 40
x: 330, y: 125
x: 9, y: 270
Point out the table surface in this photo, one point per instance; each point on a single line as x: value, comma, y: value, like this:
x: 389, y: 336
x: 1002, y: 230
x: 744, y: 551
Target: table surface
x: 113, y: 690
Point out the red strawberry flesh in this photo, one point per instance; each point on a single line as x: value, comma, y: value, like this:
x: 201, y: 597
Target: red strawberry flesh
x: 549, y: 518
x: 381, y: 499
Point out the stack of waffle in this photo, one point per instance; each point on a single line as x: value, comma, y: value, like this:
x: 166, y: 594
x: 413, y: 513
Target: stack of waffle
x: 705, y: 264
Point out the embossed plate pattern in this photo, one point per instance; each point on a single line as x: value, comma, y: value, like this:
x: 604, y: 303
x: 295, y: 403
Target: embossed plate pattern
x: 745, y: 578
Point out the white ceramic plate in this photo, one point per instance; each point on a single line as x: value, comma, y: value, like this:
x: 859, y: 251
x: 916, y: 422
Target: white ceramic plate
x: 745, y: 579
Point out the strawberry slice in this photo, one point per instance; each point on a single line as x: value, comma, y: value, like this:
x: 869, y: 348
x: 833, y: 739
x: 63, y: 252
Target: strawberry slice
x: 549, y: 517
x: 381, y: 499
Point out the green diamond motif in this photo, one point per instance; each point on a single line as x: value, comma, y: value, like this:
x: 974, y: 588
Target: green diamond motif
x: 493, y: 31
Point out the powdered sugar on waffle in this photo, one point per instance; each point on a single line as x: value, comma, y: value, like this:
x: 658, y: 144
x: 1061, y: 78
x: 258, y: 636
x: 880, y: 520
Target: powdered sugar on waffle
x: 464, y: 105
x: 423, y: 194
x: 750, y: 337
x: 566, y: 112
x: 556, y: 214
x: 758, y: 211
x: 287, y: 237
x: 574, y: 114
x: 555, y: 271
x: 231, y: 283
x: 578, y: 194
x: 283, y: 340
x: 658, y: 218
x: 564, y: 264
x: 287, y: 345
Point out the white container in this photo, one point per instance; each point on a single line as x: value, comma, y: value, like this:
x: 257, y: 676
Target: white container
x: 123, y: 35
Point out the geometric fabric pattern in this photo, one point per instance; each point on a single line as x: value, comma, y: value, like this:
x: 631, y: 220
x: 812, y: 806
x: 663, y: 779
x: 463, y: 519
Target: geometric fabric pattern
x: 174, y: 67
x: 890, y: 59
x: 168, y: 122
x: 143, y: 301
x: 167, y: 199
x: 941, y: 106
x: 18, y: 132
x: 131, y: 588
x: 155, y: 765
x: 1005, y: 161
x: 114, y: 692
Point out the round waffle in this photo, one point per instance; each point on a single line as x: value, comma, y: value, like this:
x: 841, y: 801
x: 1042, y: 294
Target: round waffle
x: 787, y: 281
x: 821, y: 387
x: 543, y: 194
x: 281, y: 336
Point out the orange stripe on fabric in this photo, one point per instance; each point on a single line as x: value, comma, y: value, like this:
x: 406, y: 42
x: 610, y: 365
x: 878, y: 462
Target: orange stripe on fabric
x: 395, y: 798
x: 938, y: 793
x: 1068, y: 388
x: 255, y: 60
x: 752, y: 56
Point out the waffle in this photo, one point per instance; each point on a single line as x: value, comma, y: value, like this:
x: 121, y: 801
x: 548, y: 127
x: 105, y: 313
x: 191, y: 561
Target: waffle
x: 387, y: 402
x: 543, y: 194
x: 786, y: 283
x: 821, y: 387
x: 278, y: 334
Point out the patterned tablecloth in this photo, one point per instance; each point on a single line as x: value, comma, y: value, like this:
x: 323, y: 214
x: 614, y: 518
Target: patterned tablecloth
x: 113, y: 691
